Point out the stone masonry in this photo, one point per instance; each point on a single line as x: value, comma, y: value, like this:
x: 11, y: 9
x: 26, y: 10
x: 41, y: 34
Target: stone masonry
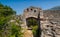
x: 50, y: 23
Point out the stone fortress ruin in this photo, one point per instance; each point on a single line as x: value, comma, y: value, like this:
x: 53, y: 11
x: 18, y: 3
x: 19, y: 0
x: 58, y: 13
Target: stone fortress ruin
x: 49, y: 20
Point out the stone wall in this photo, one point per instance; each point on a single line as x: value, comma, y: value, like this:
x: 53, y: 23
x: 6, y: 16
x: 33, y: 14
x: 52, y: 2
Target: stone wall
x: 31, y: 12
x: 51, y: 25
x: 50, y: 20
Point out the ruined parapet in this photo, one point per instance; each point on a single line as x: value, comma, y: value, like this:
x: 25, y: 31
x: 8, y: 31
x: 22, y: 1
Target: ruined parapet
x: 32, y: 12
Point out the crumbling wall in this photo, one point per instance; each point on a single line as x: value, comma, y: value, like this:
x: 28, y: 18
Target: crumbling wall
x: 51, y: 24
x: 50, y: 21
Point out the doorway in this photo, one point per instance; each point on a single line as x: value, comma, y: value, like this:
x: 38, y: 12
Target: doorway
x: 32, y: 24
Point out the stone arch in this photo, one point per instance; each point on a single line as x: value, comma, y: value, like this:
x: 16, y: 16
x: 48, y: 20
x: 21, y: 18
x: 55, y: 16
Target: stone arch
x: 31, y: 21
x: 31, y: 13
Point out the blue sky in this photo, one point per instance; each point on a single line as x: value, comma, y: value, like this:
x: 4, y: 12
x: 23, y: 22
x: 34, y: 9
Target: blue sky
x: 20, y: 5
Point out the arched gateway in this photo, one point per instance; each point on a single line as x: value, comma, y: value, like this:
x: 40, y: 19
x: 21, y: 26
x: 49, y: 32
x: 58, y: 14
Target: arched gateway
x: 31, y: 13
x: 47, y: 22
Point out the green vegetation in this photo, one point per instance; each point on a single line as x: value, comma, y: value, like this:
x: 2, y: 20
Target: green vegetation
x: 34, y: 30
x: 15, y: 30
x: 7, y: 28
x: 32, y: 22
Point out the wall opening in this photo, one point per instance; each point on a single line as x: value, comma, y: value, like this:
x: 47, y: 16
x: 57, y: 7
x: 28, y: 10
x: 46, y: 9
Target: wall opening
x: 32, y: 24
x: 31, y: 21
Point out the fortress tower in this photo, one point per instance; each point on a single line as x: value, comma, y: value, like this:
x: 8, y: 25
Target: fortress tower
x: 31, y: 12
x: 48, y: 20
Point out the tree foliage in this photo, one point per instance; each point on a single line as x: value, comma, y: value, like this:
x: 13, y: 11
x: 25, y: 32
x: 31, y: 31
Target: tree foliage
x: 7, y: 29
x: 6, y: 11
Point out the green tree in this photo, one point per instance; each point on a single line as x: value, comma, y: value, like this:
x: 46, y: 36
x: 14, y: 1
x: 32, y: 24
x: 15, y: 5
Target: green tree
x: 7, y: 28
x: 16, y: 29
x: 5, y: 15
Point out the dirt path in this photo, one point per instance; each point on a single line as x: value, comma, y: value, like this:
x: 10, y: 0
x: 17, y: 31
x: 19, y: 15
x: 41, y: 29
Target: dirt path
x: 28, y: 33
